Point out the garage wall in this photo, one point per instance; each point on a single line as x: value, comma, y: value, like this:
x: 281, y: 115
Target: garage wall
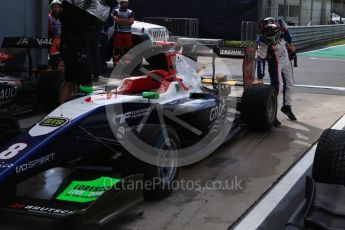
x: 24, y: 18
x: 298, y: 12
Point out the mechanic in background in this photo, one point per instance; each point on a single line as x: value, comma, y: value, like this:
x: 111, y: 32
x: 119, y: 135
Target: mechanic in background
x: 106, y: 50
x: 123, y: 19
x: 94, y: 51
x: 78, y: 19
x: 272, y: 48
x: 54, y: 33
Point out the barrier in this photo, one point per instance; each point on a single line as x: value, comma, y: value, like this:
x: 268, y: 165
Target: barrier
x: 185, y: 27
x: 303, y: 36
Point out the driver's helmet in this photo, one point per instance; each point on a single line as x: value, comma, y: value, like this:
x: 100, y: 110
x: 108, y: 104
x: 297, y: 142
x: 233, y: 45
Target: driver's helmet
x: 269, y: 20
x: 270, y: 34
x: 265, y: 22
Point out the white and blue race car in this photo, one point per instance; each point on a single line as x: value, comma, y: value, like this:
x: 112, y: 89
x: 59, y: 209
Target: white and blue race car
x: 148, y: 125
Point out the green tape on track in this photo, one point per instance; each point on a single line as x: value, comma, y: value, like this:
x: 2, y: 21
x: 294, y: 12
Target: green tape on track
x: 332, y: 52
x: 87, y: 191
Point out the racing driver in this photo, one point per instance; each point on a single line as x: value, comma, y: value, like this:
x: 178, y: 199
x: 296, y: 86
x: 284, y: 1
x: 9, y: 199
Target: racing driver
x: 272, y: 48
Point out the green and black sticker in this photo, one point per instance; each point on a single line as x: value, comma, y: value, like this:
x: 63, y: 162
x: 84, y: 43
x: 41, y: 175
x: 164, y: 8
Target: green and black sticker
x: 54, y: 122
x: 87, y: 191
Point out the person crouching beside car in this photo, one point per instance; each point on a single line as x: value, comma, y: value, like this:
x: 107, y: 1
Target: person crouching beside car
x: 272, y: 48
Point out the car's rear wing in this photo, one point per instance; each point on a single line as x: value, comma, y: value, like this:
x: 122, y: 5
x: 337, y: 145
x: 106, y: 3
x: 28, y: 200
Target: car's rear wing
x: 215, y: 48
x: 20, y: 48
x: 26, y: 43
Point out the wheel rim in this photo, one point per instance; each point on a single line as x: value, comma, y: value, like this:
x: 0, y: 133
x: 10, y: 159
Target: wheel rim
x: 167, y: 156
x: 271, y: 108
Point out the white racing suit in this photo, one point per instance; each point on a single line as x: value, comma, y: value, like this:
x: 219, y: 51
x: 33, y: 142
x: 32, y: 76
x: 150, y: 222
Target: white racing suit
x: 279, y: 67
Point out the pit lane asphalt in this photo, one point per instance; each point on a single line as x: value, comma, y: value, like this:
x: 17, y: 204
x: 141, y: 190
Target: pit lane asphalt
x: 257, y: 160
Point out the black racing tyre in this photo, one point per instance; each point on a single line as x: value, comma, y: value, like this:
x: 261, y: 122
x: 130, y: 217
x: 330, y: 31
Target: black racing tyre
x: 158, y: 181
x: 329, y: 160
x: 9, y: 127
x: 49, y: 87
x: 259, y: 106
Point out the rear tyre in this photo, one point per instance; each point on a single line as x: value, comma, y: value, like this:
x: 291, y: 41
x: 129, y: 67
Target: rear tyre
x: 9, y: 127
x: 158, y: 180
x: 329, y: 160
x: 259, y: 107
x: 49, y: 87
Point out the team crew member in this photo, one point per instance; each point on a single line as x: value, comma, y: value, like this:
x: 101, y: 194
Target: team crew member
x: 54, y: 32
x: 124, y: 19
x: 272, y: 48
x: 106, y: 51
x: 78, y: 19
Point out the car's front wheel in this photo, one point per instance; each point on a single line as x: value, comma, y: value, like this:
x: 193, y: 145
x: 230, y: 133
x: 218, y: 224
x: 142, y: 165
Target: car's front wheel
x: 159, y: 178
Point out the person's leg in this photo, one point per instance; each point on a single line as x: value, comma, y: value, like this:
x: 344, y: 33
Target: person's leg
x: 97, y: 61
x: 69, y: 86
x: 117, y: 48
x: 127, y: 42
x: 274, y: 73
x: 288, y: 84
x: 273, y: 70
x: 82, y: 69
x: 54, y: 61
x: 103, y: 51
x: 68, y: 89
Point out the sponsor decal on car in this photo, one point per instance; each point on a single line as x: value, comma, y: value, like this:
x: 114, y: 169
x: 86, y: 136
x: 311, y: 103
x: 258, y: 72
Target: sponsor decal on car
x: 130, y: 115
x: 41, y: 209
x: 87, y: 191
x: 233, y: 52
x: 4, y: 165
x: 8, y: 93
x: 40, y: 41
x: 54, y: 122
x: 31, y: 164
x: 12, y: 151
x: 217, y: 111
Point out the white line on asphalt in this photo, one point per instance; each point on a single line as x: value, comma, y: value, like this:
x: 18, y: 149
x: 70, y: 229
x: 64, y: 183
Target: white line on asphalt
x: 262, y: 210
x: 322, y: 87
x: 327, y: 59
x: 312, y: 51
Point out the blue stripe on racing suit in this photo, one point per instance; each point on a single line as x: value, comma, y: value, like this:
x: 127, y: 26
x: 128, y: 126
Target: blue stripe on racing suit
x: 260, y: 62
x: 284, y: 29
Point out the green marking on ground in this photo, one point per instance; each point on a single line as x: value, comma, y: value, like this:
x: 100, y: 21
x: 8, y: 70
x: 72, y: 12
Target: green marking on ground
x: 87, y: 191
x: 332, y: 52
